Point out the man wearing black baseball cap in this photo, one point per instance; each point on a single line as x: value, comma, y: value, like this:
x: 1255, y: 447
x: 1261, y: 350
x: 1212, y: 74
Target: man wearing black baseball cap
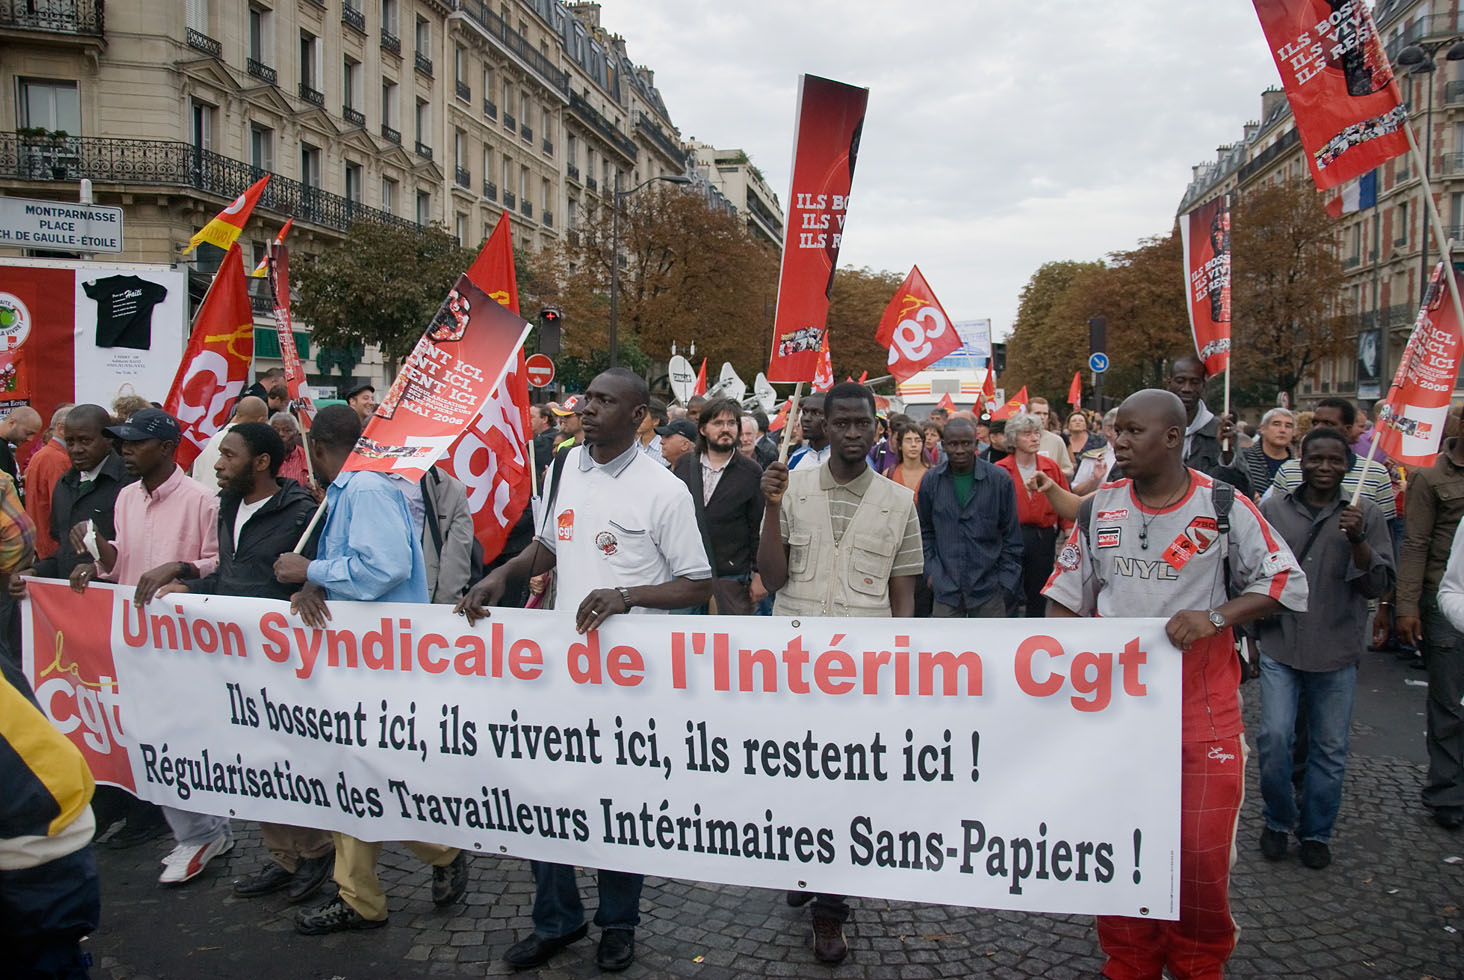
x: 677, y: 439
x: 362, y: 398
x: 167, y: 528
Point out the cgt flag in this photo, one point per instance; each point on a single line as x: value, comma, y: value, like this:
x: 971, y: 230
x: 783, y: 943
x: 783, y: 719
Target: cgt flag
x: 823, y: 376
x: 1015, y: 406
x: 915, y: 328
x: 224, y: 230
x: 1411, y: 424
x: 216, y: 363
x: 491, y: 457
x: 1337, y: 77
x: 830, y: 118
x: 700, y: 388
x: 1205, y: 238
x: 262, y: 269
x: 1075, y: 390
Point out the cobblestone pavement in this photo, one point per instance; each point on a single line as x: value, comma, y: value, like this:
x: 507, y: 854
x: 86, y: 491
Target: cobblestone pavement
x: 1389, y: 906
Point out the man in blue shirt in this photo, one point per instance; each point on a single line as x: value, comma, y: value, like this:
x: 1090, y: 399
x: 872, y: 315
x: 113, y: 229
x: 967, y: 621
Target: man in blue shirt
x: 968, y: 524
x: 369, y: 551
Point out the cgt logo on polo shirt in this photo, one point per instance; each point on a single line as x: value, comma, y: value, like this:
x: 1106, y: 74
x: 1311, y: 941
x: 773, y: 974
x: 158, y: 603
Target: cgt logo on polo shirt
x: 565, y: 530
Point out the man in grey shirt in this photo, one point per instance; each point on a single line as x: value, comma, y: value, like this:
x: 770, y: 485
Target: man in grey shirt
x: 1347, y: 554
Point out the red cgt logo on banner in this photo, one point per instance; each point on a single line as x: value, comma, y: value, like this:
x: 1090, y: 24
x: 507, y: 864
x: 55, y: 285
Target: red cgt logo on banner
x: 1349, y: 114
x: 915, y: 328
x: 1205, y: 236
x: 830, y: 118
x: 1411, y: 425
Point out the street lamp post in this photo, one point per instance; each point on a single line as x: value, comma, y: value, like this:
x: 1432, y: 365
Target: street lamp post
x: 619, y: 195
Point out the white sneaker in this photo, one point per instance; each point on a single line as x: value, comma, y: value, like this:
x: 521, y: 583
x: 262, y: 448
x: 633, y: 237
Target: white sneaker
x: 186, y: 861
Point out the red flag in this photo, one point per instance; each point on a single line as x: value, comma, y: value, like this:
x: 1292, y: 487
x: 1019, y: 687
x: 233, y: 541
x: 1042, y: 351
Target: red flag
x: 1014, y: 406
x: 1411, y: 424
x: 781, y: 419
x: 1205, y: 238
x: 830, y: 117
x: 700, y: 388
x: 915, y: 328
x: 863, y: 376
x: 946, y: 402
x: 1348, y: 110
x: 447, y: 380
x: 262, y: 269
x: 1075, y: 390
x: 278, y: 262
x: 988, y: 386
x: 823, y: 375
x: 215, y: 366
x: 225, y: 229
x: 491, y: 457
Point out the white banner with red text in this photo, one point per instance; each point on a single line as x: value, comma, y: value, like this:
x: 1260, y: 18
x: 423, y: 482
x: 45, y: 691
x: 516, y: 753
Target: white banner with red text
x: 1024, y: 764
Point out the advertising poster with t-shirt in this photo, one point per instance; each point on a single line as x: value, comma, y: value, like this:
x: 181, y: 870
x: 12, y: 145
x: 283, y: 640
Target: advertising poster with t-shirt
x: 84, y: 331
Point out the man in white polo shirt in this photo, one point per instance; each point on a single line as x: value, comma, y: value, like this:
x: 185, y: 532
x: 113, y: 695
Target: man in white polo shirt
x: 621, y: 531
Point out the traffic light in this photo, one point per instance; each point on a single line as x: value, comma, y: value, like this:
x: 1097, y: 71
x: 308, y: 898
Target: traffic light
x: 549, y: 333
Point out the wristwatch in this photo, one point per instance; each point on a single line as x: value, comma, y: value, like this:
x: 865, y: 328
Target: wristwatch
x: 1216, y: 619
x: 624, y: 596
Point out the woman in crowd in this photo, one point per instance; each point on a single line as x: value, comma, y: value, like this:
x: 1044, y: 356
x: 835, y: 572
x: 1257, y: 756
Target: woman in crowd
x: 1088, y: 450
x: 1039, y: 521
x: 931, y: 432
x: 886, y: 452
x: 910, y: 467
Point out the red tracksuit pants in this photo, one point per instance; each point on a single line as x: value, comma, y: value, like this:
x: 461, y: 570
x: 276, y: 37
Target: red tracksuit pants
x: 1212, y: 787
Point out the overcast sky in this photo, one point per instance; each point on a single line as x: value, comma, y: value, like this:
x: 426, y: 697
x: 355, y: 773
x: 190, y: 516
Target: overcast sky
x: 1000, y: 134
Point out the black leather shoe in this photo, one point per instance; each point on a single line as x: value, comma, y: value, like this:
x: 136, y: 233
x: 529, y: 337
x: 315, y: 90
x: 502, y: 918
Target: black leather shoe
x: 1449, y: 817
x: 617, y: 950
x: 798, y: 899
x: 1273, y: 844
x: 450, y: 882
x: 1315, y: 854
x: 269, y: 879
x: 536, y: 950
x: 309, y: 875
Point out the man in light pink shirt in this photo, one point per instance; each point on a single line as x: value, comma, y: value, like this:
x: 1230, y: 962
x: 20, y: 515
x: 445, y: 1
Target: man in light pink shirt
x: 167, y: 528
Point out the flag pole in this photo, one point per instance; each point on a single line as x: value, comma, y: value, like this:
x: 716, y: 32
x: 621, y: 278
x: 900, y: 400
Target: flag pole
x: 793, y: 415
x: 1441, y: 238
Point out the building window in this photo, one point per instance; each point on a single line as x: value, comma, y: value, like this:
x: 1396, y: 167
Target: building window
x: 571, y: 213
x: 388, y: 195
x: 1400, y: 227
x: 460, y: 149
x: 309, y: 60
x: 524, y: 183
x: 196, y: 13
x: 460, y: 64
x: 424, y: 122
x: 460, y: 228
x: 52, y: 105
x: 351, y: 84
x: 389, y: 16
x: 261, y: 147
x: 424, y: 37
x: 259, y: 35
x: 424, y: 207
x: 545, y: 197
x: 309, y: 165
x: 487, y: 162
x: 203, y: 123
x: 353, y: 182
x: 389, y: 115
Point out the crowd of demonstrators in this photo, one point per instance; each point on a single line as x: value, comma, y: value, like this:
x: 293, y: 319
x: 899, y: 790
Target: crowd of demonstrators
x: 838, y: 540
x: 1311, y: 657
x: 622, y: 533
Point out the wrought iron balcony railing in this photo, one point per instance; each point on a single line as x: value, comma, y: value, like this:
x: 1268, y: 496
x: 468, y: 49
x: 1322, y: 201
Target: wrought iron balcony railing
x: 353, y: 17
x: 490, y: 190
x: 391, y: 135
x: 514, y: 42
x: 390, y: 42
x: 526, y: 208
x: 262, y: 71
x: 573, y: 172
x: 593, y: 118
x: 509, y: 199
x: 353, y: 116
x: 423, y: 150
x: 489, y: 109
x: 204, y: 43
x: 548, y: 147
x: 82, y: 17
x: 464, y: 91
x: 172, y: 163
x: 464, y: 177
x: 423, y: 63
x: 312, y: 95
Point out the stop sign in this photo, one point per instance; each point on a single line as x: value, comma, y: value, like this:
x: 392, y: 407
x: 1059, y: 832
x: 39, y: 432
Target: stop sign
x: 540, y: 370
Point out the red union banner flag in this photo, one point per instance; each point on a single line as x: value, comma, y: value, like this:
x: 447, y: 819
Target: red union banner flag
x: 216, y: 364
x: 1205, y: 236
x: 915, y: 328
x: 1349, y: 114
x: 444, y: 383
x: 1411, y: 424
x: 278, y: 270
x: 830, y: 119
x: 823, y: 375
x: 491, y: 457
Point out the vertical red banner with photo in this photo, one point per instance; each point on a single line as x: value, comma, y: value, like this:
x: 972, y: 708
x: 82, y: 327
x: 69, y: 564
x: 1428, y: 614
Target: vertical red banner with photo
x: 1205, y: 237
x: 67, y: 639
x: 279, y: 284
x: 1349, y: 113
x: 1411, y: 424
x: 825, y: 147
x: 37, y: 318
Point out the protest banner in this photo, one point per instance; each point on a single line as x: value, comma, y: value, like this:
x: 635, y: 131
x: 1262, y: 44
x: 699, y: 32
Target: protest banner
x: 1411, y: 423
x: 830, y: 117
x: 823, y: 373
x: 443, y: 384
x: 1035, y: 766
x: 1205, y: 239
x: 1344, y: 97
x: 491, y: 457
x: 915, y: 328
x: 215, y: 367
x: 277, y: 264
x: 261, y: 269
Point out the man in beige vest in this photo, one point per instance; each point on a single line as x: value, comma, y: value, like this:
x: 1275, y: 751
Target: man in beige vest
x: 838, y: 539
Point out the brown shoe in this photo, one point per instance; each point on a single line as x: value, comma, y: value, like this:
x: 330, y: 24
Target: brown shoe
x: 828, y: 939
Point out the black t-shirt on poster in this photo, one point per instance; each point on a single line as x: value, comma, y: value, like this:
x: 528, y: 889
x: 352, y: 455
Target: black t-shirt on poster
x: 124, y: 310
